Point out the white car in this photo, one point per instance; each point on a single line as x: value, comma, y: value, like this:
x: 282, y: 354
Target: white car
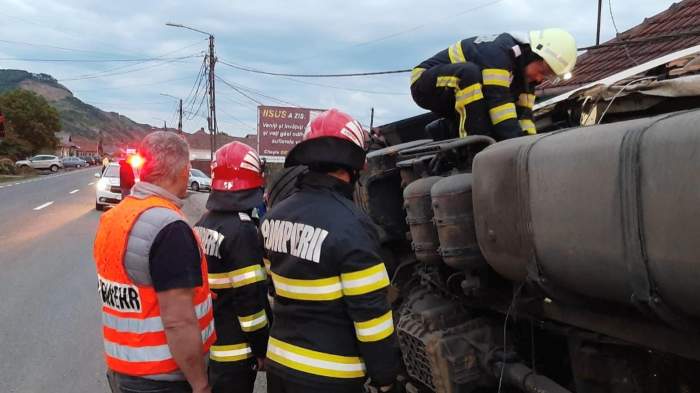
x: 41, y: 161
x: 107, y: 191
x: 199, y: 180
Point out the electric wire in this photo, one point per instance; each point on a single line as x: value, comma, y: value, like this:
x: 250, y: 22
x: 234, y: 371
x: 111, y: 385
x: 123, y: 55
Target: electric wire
x: 341, y: 75
x: 516, y: 294
x: 159, y: 57
x: 239, y: 91
x: 158, y: 64
x: 617, y: 32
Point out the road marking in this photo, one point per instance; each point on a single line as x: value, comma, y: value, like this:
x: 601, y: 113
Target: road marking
x: 89, y: 184
x: 44, y: 205
x: 17, y: 184
x: 74, y: 191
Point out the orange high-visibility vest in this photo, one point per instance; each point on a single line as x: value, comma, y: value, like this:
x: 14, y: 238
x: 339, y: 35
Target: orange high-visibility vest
x: 134, y: 337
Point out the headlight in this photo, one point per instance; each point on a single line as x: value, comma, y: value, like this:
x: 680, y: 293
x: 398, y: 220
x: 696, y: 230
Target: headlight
x: 103, y: 184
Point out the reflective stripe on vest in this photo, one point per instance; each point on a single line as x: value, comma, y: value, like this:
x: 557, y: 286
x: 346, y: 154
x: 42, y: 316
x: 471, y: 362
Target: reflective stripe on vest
x: 314, y: 362
x: 154, y: 353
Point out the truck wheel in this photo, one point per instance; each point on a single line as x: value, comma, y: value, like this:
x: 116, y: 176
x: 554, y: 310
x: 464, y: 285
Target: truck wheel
x: 99, y: 207
x: 195, y: 186
x: 54, y: 168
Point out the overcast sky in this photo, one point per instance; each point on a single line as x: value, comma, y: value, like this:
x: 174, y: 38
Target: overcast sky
x: 329, y: 36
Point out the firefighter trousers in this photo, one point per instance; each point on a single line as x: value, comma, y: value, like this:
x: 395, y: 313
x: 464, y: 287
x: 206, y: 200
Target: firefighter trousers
x: 453, y: 91
x: 280, y: 384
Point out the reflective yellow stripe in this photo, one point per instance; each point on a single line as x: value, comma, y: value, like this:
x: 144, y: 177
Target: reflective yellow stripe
x: 528, y: 126
x: 375, y: 329
x: 230, y: 353
x: 526, y: 100
x: 447, y: 81
x: 365, y: 281
x: 456, y: 54
x: 468, y: 95
x: 496, y: 77
x: 319, y: 290
x: 247, y: 275
x: 416, y: 73
x: 314, y: 362
x: 220, y: 280
x: 253, y: 322
x: 462, y: 121
x: 502, y: 113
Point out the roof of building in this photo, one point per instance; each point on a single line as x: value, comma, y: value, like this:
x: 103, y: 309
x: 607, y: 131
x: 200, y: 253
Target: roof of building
x: 674, y: 29
x: 200, y: 140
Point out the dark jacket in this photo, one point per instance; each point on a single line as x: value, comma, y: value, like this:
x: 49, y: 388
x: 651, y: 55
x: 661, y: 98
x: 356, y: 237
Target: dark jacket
x: 333, y: 323
x: 502, y: 60
x: 232, y: 245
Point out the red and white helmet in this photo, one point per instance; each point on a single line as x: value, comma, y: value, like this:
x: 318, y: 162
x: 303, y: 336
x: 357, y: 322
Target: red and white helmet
x: 236, y: 167
x: 334, y: 138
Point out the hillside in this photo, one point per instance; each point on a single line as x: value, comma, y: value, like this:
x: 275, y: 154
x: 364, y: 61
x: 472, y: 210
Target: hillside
x: 77, y: 117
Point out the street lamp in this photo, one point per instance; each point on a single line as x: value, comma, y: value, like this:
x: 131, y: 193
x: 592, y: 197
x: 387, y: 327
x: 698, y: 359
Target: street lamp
x: 211, y: 119
x: 179, y: 122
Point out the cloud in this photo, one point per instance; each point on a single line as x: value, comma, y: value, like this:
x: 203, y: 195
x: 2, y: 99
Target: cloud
x: 289, y: 36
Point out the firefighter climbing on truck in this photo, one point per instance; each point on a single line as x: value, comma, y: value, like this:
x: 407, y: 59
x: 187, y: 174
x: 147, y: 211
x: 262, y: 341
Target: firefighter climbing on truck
x: 485, y: 85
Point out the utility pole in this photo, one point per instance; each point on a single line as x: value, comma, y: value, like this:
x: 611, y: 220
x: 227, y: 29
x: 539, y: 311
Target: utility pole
x: 211, y: 118
x: 597, y: 34
x: 165, y: 126
x: 179, y: 122
x: 212, y: 97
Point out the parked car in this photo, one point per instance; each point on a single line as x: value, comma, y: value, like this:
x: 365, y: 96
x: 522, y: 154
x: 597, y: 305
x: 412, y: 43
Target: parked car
x: 199, y: 180
x: 107, y: 191
x: 74, y: 162
x: 41, y: 161
x: 90, y: 160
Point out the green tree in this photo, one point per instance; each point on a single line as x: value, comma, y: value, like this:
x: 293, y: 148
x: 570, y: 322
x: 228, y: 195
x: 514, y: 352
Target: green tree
x: 30, y: 122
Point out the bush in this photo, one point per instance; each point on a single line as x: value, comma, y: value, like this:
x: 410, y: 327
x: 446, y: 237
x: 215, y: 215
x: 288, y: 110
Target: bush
x: 7, y: 167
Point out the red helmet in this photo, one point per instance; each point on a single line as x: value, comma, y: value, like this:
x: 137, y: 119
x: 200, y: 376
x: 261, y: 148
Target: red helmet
x: 236, y: 167
x: 333, y: 138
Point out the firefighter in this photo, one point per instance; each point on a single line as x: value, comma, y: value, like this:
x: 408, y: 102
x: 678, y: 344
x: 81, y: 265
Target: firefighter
x: 485, y: 85
x: 233, y: 247
x: 333, y: 327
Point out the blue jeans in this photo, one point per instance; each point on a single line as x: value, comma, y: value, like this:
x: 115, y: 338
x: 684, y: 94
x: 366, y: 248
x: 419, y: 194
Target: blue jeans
x: 120, y: 383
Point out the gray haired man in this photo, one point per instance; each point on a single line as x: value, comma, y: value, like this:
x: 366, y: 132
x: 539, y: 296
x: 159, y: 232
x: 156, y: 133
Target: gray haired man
x: 156, y: 306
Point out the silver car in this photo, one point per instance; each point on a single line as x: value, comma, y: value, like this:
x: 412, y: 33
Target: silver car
x: 199, y: 180
x: 70, y: 162
x: 41, y: 161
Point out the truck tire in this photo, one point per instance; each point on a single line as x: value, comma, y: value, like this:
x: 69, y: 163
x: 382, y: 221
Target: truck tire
x: 54, y: 168
x: 99, y: 207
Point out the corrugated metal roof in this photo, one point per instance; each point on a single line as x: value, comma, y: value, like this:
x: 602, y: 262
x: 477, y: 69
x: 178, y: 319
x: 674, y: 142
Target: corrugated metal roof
x: 598, y: 63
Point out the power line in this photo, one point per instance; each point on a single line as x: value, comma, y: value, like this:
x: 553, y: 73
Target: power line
x: 86, y: 60
x: 262, y: 94
x: 238, y: 90
x: 256, y: 71
x: 158, y: 64
x: 440, y: 19
x: 617, y: 32
x: 159, y: 57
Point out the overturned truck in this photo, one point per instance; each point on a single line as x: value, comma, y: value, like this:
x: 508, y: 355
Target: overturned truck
x: 567, y: 261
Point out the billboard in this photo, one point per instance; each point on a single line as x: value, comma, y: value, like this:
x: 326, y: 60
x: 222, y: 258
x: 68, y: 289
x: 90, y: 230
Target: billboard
x: 280, y: 128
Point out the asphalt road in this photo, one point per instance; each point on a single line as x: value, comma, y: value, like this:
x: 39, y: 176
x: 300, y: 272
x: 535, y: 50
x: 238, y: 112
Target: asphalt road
x: 50, y: 335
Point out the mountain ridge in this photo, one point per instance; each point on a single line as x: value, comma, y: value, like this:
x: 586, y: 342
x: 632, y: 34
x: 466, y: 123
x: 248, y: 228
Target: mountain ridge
x: 76, y: 116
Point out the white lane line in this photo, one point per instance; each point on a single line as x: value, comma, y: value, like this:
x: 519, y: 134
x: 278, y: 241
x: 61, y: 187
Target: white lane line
x: 89, y: 184
x: 44, y: 205
x: 17, y: 184
x: 74, y: 191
